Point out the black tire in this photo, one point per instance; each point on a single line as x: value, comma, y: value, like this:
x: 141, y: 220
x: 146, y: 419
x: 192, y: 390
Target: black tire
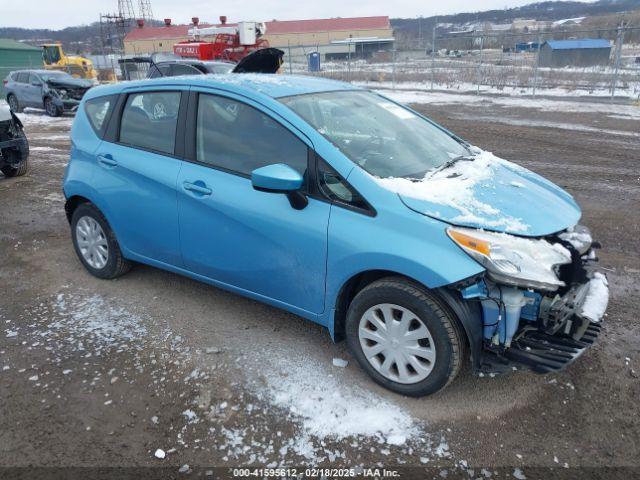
x: 442, y: 324
x: 14, y: 104
x: 17, y: 167
x: 51, y: 108
x: 116, y: 264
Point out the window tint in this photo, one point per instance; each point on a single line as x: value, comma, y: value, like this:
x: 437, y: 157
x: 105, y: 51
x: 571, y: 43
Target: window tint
x: 23, y: 77
x: 237, y: 137
x: 98, y: 111
x: 149, y: 121
x: 179, y: 69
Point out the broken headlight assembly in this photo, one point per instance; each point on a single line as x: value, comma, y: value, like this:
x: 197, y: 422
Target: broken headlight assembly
x: 511, y: 260
x: 61, y: 93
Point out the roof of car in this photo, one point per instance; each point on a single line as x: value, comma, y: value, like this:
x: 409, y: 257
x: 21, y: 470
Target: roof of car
x: 33, y: 70
x: 274, y: 86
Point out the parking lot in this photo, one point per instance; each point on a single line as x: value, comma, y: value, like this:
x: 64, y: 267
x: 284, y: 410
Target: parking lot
x: 109, y: 372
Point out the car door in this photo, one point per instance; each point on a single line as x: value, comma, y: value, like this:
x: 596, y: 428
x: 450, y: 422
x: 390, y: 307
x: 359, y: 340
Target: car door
x: 251, y: 240
x: 20, y: 88
x: 137, y: 169
x: 33, y: 90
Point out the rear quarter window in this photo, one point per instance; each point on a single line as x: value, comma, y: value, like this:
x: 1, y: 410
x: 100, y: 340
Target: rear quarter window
x: 98, y: 111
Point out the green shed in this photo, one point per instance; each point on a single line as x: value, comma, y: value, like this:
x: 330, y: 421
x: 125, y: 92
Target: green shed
x: 16, y: 55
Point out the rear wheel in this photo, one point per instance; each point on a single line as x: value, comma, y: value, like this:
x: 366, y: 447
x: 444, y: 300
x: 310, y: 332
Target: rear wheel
x: 95, y: 244
x: 14, y: 105
x: 404, y: 337
x: 51, y: 108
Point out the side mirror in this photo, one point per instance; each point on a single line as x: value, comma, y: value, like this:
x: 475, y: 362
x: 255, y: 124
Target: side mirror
x: 280, y: 178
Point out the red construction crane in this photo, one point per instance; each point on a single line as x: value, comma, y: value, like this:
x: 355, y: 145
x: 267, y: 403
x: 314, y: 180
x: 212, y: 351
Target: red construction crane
x: 230, y: 42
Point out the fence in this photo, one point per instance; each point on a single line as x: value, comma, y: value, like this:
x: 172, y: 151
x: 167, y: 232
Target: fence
x: 490, y: 62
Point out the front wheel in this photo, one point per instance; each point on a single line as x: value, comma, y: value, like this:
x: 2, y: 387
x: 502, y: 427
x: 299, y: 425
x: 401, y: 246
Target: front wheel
x: 404, y: 337
x: 14, y: 105
x: 51, y: 108
x: 95, y: 243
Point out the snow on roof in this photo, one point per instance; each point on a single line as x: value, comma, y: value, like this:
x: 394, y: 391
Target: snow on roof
x: 576, y: 44
x: 569, y: 20
x: 274, y: 27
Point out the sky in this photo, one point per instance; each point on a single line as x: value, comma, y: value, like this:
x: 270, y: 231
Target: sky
x: 57, y: 14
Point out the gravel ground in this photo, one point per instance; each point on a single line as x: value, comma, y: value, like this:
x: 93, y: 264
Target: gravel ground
x: 106, y: 373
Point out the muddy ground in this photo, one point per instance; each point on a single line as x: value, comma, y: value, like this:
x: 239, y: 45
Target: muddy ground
x: 104, y: 373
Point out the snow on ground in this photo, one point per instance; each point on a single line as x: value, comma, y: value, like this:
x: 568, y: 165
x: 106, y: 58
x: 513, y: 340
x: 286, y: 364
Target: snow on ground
x: 95, y: 322
x: 630, y: 112
x: 530, y: 122
x: 319, y: 415
x: 31, y: 116
x: 470, y: 88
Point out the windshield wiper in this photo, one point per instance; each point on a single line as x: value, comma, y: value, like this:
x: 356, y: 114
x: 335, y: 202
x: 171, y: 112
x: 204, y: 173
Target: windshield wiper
x: 451, y: 163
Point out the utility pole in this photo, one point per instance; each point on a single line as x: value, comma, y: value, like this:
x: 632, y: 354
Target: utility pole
x: 619, y: 40
x: 349, y: 58
x: 433, y: 52
x: 535, y: 69
x: 479, y: 71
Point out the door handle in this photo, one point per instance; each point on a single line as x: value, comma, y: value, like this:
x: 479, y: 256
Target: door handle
x: 107, y: 161
x: 197, y: 187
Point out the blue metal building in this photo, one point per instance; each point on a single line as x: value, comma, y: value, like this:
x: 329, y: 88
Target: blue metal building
x: 575, y: 53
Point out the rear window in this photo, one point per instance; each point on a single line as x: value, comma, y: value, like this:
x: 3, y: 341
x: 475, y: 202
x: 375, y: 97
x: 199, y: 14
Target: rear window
x: 149, y: 121
x: 98, y: 111
x: 179, y: 69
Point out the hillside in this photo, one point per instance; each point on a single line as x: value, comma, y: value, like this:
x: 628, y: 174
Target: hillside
x: 603, y: 13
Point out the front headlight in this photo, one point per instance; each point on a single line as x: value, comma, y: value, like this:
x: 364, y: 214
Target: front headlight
x: 511, y: 260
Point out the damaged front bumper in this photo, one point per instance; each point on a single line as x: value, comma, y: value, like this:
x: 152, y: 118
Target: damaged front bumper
x: 539, y: 330
x: 566, y: 327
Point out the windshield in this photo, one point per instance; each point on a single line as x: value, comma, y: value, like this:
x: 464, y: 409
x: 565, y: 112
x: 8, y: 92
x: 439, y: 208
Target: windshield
x: 382, y: 137
x: 54, y: 76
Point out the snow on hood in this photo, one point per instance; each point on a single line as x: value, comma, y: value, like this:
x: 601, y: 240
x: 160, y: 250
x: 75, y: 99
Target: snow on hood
x: 489, y: 193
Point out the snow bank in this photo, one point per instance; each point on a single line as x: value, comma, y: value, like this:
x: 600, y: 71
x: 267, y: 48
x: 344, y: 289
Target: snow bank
x: 455, y: 187
x: 597, y: 299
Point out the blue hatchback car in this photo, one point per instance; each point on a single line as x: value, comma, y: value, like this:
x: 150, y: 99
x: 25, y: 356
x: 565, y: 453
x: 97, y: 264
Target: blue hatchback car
x: 344, y: 207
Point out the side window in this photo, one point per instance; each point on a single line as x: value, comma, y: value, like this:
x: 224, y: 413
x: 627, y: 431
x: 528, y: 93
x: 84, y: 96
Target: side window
x: 159, y: 71
x: 98, y: 111
x: 34, y: 80
x: 23, y: 77
x: 237, y: 137
x: 336, y: 189
x: 149, y: 121
x: 180, y: 69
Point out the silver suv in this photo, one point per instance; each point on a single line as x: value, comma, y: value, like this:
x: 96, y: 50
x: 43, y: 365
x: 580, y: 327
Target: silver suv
x: 56, y: 92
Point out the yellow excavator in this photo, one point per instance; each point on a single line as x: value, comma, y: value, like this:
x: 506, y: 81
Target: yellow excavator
x: 54, y: 58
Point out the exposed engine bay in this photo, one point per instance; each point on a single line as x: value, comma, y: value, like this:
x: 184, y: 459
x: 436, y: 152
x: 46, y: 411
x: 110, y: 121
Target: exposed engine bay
x: 548, y: 327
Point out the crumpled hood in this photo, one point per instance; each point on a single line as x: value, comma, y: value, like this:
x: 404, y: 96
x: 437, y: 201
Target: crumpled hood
x: 489, y: 193
x: 70, y: 83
